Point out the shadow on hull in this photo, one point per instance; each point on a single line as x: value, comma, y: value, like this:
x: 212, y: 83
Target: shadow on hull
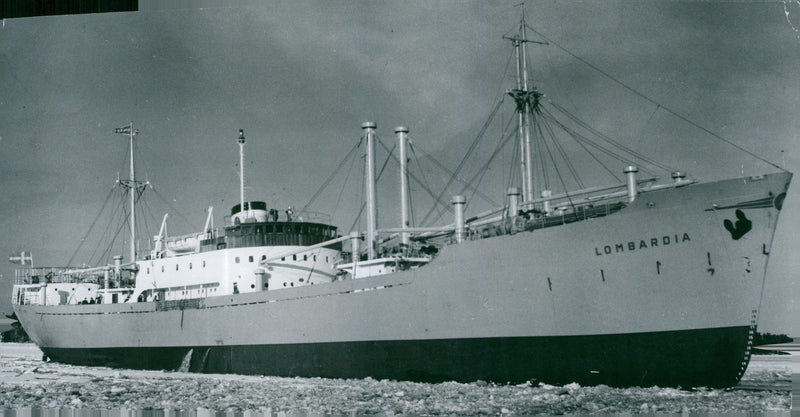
x: 690, y: 358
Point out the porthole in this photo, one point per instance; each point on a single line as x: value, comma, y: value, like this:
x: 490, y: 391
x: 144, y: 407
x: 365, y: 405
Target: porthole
x: 252, y: 285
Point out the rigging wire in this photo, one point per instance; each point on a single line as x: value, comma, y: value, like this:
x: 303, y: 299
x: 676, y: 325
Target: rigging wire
x: 478, y: 177
x: 473, y: 188
x: 542, y: 164
x: 94, y: 222
x: 561, y: 151
x: 171, y: 207
x: 113, y: 219
x: 331, y: 176
x: 605, y: 137
x: 515, y: 155
x: 377, y: 177
x: 424, y: 183
x: 558, y: 174
x: 471, y: 148
x: 669, y: 110
x: 545, y: 121
x: 484, y: 168
x: 345, y: 183
x: 593, y: 144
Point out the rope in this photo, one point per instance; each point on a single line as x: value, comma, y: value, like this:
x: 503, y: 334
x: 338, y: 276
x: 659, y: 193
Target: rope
x: 595, y: 145
x: 473, y: 188
x: 188, y: 223
x: 330, y: 177
x: 378, y: 177
x: 669, y: 110
x: 469, y: 152
x: 344, y: 184
x: 561, y: 151
x: 558, y: 173
x: 545, y: 121
x: 611, y: 141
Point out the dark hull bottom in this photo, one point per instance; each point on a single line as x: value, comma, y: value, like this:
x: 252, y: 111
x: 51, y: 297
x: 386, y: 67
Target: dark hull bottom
x: 691, y: 358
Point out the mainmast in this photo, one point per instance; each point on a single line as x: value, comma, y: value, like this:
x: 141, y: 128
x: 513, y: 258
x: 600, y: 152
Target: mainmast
x: 132, y: 185
x: 372, y: 211
x: 526, y: 101
x: 404, y: 236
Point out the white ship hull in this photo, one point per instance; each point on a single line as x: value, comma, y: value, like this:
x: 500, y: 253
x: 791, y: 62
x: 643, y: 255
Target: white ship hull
x: 658, y: 293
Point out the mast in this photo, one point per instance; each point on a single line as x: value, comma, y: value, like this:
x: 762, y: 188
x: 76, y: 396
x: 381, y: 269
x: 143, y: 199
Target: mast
x: 526, y: 117
x: 520, y: 128
x: 401, y: 137
x: 523, y: 97
x: 372, y: 211
x: 132, y: 185
x: 241, y: 173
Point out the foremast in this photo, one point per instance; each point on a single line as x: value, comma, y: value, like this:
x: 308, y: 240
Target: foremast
x: 135, y: 187
x: 527, y: 101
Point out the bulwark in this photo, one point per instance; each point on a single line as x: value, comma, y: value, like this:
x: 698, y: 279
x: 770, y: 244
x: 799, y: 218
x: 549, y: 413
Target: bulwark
x: 641, y: 244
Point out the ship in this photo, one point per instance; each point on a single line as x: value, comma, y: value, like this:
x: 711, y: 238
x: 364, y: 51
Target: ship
x: 638, y: 283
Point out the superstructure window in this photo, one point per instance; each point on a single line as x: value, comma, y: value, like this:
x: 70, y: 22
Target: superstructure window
x: 237, y: 259
x: 250, y: 259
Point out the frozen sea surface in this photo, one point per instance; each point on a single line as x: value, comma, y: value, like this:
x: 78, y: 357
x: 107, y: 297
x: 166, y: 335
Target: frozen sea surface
x: 28, y: 385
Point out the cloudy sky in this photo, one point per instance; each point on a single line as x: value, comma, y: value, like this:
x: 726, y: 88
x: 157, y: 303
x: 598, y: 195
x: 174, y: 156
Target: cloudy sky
x: 301, y: 76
